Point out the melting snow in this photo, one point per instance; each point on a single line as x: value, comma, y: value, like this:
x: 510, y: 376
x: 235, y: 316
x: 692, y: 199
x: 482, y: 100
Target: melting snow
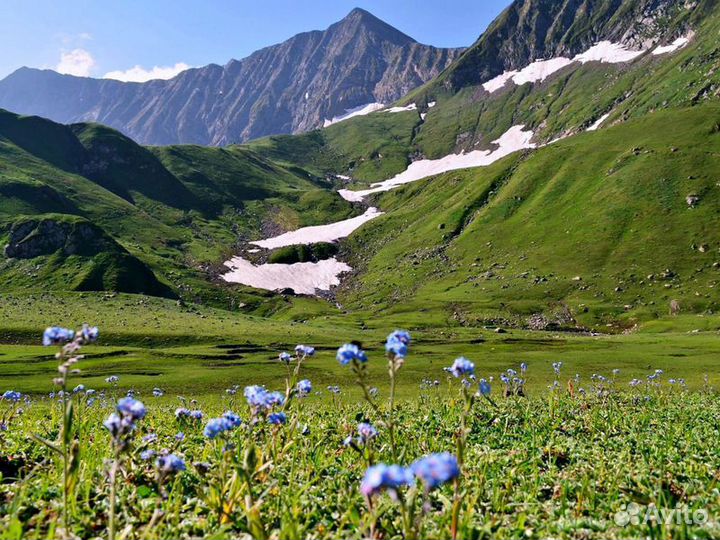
x: 411, y: 107
x: 253, y: 250
x: 605, y: 51
x: 343, y: 177
x: 319, y: 233
x: 303, y: 278
x: 431, y: 105
x: 679, y: 43
x: 512, y: 140
x: 596, y: 125
x: 362, y: 110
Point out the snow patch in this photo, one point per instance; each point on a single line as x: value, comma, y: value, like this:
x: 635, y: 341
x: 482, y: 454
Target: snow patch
x: 303, y: 278
x: 319, y: 233
x: 255, y: 250
x: 514, y: 139
x: 422, y: 116
x: 411, y: 107
x: 599, y: 122
x: 362, y: 110
x: 538, y: 71
x: 679, y: 43
x: 431, y: 104
x: 343, y: 177
x: 608, y: 52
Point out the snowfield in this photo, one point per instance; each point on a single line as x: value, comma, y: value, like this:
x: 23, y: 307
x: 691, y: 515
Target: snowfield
x: 679, y: 43
x: 303, y: 278
x: 599, y: 122
x: 512, y: 140
x: 538, y: 71
x: 362, y: 110
x: 411, y: 107
x: 319, y: 233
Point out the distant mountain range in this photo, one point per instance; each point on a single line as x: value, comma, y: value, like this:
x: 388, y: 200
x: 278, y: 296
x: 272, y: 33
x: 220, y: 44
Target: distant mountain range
x: 286, y: 88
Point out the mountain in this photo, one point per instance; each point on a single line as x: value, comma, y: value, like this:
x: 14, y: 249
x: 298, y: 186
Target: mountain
x: 532, y: 30
x: 597, y: 210
x: 286, y: 88
x: 83, y: 207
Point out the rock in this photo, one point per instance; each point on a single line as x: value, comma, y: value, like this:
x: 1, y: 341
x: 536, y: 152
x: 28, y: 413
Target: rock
x: 692, y: 200
x: 46, y: 235
x: 577, y: 278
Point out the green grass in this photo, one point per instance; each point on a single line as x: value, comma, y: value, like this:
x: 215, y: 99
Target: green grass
x: 502, y: 243
x: 552, y: 465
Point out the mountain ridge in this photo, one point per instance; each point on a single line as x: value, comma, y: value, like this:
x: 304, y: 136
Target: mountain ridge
x: 288, y: 87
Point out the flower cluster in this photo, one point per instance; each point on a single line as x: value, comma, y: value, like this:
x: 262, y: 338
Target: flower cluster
x: 436, y: 469
x: 462, y: 367
x: 386, y: 477
x: 12, y: 395
x: 304, y: 387
x: 121, y: 424
x: 56, y: 335
x: 304, y: 351
x: 397, y: 343
x: 350, y: 353
x: 433, y: 471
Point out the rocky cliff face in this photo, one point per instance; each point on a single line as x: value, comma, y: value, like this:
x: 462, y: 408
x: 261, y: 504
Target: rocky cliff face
x: 530, y: 30
x: 286, y: 88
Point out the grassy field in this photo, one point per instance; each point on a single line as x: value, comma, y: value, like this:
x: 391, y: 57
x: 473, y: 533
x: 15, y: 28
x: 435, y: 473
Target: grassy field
x: 153, y: 342
x: 587, y: 459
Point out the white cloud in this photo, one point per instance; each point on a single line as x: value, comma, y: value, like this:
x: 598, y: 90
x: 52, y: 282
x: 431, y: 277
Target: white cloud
x: 140, y: 74
x: 78, y: 62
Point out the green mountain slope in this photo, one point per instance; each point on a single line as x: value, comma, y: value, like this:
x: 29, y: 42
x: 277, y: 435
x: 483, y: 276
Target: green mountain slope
x: 593, y: 230
x: 173, y: 214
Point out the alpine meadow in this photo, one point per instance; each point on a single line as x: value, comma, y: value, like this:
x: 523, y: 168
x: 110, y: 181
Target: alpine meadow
x: 352, y: 285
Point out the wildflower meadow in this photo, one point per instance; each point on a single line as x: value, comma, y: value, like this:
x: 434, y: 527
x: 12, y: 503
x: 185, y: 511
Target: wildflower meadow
x: 473, y: 455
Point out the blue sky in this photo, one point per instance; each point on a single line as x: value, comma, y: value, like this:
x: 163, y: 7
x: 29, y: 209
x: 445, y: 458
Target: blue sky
x: 96, y: 37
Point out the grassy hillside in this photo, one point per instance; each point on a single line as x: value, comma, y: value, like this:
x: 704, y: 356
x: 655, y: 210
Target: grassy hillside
x: 176, y: 213
x: 591, y: 231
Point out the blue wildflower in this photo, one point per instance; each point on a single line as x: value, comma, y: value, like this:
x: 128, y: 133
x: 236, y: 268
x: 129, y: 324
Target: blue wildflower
x: 79, y: 388
x: 397, y: 343
x: 523, y: 367
x: 158, y: 392
x: 304, y: 350
x: 556, y: 367
x: 484, y: 387
x: 436, y: 469
x: 277, y: 418
x: 366, y: 431
x: 216, y: 426
x: 196, y: 414
x: 147, y: 455
x: 304, y: 387
x: 170, y: 464
x: 179, y: 436
x: 12, y: 395
x: 380, y: 477
x: 233, y: 418
x: 255, y: 396
x: 56, y: 336
x: 181, y: 412
x: 349, y: 353
x: 112, y: 379
x: 90, y: 333
x: 132, y: 408
x: 334, y: 389
x: 285, y: 357
x: 462, y: 367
